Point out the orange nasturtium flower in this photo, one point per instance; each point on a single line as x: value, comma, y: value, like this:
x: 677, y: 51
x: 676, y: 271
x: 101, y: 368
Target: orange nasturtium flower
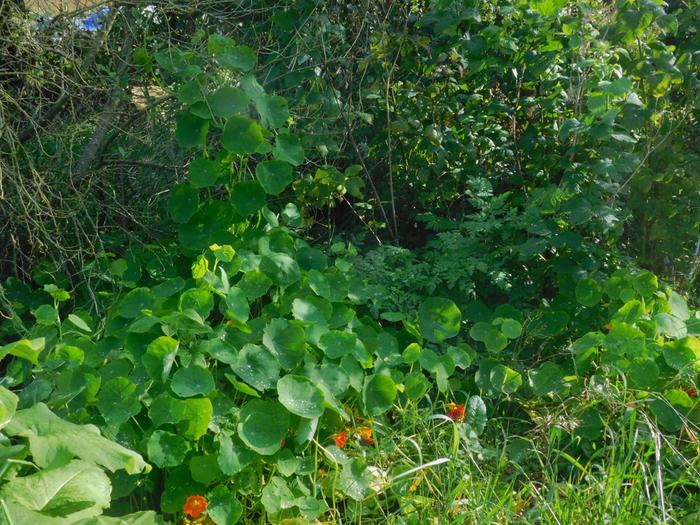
x: 455, y: 411
x: 366, y: 435
x: 194, y: 506
x: 340, y: 439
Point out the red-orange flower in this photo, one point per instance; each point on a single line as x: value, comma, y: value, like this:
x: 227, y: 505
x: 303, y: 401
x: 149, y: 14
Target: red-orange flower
x: 366, y: 435
x: 340, y: 439
x: 608, y: 326
x: 194, y: 506
x: 455, y: 411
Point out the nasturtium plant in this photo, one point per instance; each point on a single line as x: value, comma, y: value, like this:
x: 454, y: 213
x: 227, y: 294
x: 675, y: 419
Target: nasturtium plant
x: 243, y: 354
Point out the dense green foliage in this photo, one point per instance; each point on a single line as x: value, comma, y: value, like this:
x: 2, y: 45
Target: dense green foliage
x: 344, y: 262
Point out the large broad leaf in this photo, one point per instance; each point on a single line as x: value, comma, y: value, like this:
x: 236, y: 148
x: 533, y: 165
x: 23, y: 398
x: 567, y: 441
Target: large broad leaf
x: 286, y: 340
x: 273, y: 110
x: 209, y: 225
x: 300, y: 396
x: 588, y: 292
x: 53, y: 440
x: 227, y: 101
x: 191, y: 130
x: 28, y: 349
x: 378, y: 394
x: 263, y: 425
x: 17, y: 514
x: 274, y: 175
x: 247, y: 197
x: 183, y: 202
x: 230, y: 55
x: 241, y: 135
x: 204, y: 172
x: 683, y: 354
x: 439, y: 319
x: 137, y: 518
x: 73, y: 491
x: 289, y: 149
x: 643, y: 373
x: 8, y: 406
x: 645, y: 283
x: 670, y: 325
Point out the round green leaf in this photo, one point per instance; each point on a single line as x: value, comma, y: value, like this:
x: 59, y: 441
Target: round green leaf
x: 645, y: 283
x: 192, y: 381
x: 45, y: 314
x: 670, y: 325
x: 495, y: 341
x: 230, y: 55
x: 336, y: 344
x: 204, y: 172
x: 439, y: 319
x: 183, y: 202
x: 315, y: 310
x: 247, y: 197
x: 254, y: 284
x: 227, y: 101
x: 118, y: 401
x: 300, y: 396
x: 273, y: 110
x: 281, y: 268
x: 286, y: 341
x: 241, y: 135
x: 312, y: 259
x: 205, y: 468
x: 546, y: 379
x: 257, y: 366
x: 479, y: 330
x: 274, y: 175
x: 588, y: 292
x: 190, y: 93
x: 191, y: 130
x: 505, y: 379
x: 263, y: 425
x: 136, y: 300
x: 237, y: 305
x: 643, y: 373
x: 378, y: 394
x: 224, y: 508
x: 166, y: 449
x: 683, y: 354
x: 511, y: 328
x: 288, y: 148
x: 197, y: 299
